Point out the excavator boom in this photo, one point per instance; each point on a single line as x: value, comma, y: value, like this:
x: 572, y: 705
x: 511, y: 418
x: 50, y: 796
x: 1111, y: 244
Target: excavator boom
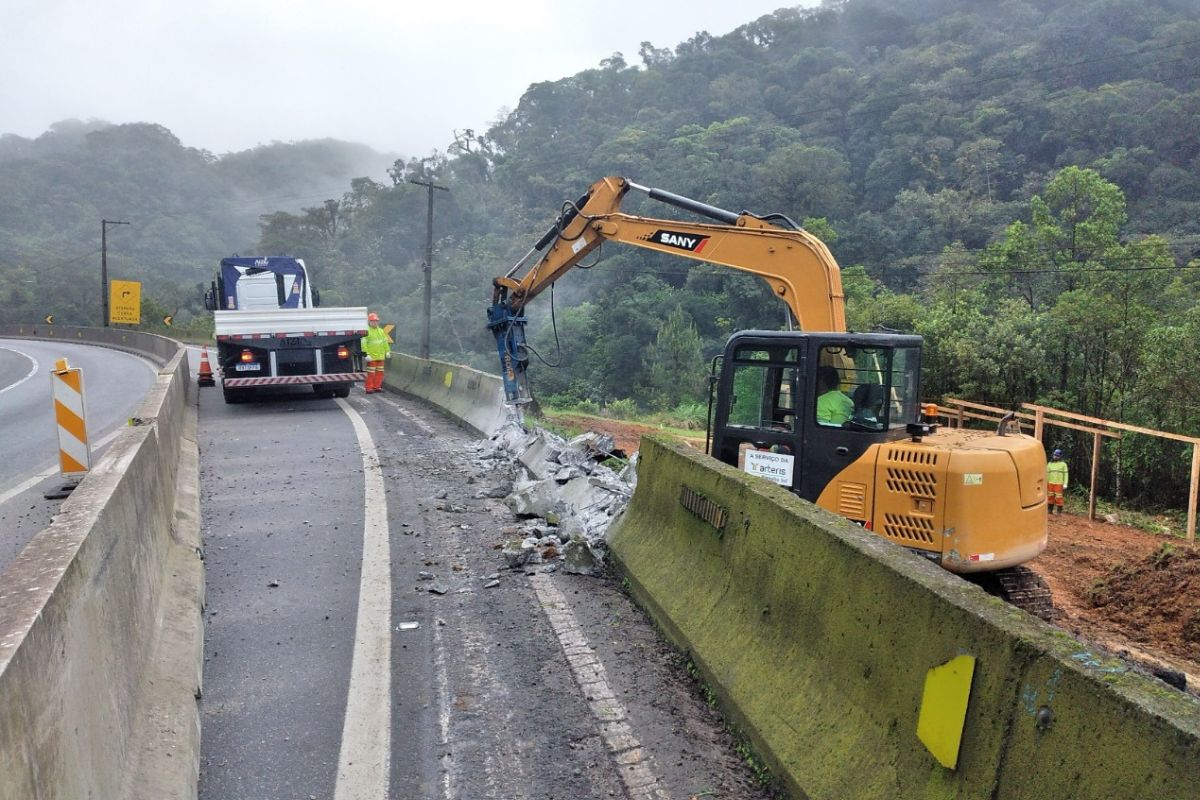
x: 796, y: 265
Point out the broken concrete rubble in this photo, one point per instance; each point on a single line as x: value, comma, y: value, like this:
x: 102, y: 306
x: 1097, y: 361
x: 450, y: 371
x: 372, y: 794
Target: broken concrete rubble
x: 570, y: 498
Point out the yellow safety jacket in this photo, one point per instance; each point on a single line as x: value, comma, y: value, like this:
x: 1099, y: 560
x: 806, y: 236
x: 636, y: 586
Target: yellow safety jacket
x: 375, y: 344
x: 1056, y: 473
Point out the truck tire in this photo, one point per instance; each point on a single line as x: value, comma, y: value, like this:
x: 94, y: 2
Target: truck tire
x: 342, y: 390
x: 323, y: 390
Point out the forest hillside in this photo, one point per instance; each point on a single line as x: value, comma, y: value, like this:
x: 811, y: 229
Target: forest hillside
x: 1016, y: 180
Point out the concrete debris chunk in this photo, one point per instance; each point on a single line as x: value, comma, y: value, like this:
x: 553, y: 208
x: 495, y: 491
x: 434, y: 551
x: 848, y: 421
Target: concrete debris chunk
x: 567, y: 473
x: 535, y: 499
x: 597, y: 445
x: 519, y: 553
x: 578, y: 557
x: 628, y: 473
x: 567, y: 499
x: 501, y: 490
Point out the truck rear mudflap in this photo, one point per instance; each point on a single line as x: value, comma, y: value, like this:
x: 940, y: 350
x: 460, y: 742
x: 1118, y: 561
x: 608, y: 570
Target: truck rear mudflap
x: 294, y: 380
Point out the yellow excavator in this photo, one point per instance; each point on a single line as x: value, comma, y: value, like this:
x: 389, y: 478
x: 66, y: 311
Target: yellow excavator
x: 833, y: 415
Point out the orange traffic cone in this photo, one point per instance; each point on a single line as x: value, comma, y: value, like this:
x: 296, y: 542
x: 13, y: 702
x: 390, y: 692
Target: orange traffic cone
x: 206, y: 374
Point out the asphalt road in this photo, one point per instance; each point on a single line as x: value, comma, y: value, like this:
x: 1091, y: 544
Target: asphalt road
x: 115, y: 383
x: 333, y: 670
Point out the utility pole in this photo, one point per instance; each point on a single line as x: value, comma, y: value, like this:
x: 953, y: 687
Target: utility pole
x: 104, y: 223
x: 428, y: 266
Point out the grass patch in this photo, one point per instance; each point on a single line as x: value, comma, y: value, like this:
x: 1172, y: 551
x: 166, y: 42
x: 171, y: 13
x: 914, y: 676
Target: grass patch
x: 1171, y: 522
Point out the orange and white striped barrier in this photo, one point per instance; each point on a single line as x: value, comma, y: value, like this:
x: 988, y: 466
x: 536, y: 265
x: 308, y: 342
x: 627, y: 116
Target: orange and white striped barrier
x: 74, y: 453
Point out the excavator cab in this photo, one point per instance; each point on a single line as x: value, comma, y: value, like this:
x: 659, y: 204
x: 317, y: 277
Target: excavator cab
x: 798, y: 408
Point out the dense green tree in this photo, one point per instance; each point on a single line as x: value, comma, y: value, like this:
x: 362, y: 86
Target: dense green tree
x: 676, y: 362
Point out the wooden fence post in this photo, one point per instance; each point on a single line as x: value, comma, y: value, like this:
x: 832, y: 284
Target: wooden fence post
x: 1191, y: 520
x: 1095, y: 472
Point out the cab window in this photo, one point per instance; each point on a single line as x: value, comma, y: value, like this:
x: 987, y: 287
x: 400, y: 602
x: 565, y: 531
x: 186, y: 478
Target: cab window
x: 765, y: 382
x: 865, y: 388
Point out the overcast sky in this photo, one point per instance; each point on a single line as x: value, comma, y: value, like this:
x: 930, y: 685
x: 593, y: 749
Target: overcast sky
x: 398, y: 75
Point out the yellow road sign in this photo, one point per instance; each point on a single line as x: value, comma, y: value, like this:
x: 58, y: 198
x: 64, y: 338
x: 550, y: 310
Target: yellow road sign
x: 49, y: 319
x: 168, y: 319
x: 125, y: 302
x: 388, y: 330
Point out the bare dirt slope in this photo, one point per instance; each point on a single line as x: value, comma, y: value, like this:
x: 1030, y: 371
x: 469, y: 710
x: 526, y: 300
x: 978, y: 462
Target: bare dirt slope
x: 1113, y: 585
x: 627, y: 435
x: 1125, y: 589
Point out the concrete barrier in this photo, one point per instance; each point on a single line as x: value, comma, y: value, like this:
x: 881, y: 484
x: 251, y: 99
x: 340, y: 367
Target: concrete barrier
x: 159, y: 348
x: 102, y: 607
x: 818, y: 637
x: 474, y: 397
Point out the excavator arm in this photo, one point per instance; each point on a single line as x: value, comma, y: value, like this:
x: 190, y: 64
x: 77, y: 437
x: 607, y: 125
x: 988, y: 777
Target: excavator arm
x: 796, y: 265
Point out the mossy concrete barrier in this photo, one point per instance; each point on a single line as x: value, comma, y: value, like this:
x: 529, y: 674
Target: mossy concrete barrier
x: 474, y: 397
x: 100, y: 629
x: 817, y: 637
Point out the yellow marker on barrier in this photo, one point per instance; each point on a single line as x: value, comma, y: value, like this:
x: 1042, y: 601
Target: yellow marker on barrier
x: 74, y: 453
x: 944, y: 708
x: 448, y: 379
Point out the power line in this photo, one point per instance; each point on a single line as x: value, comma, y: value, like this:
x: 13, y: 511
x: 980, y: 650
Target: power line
x: 1068, y: 272
x: 1049, y: 68
x: 65, y: 262
x: 880, y: 103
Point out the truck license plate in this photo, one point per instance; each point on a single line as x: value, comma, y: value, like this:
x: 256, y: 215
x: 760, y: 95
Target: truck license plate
x: 247, y: 367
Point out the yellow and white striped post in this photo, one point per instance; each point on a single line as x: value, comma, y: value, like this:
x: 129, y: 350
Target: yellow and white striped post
x: 74, y: 452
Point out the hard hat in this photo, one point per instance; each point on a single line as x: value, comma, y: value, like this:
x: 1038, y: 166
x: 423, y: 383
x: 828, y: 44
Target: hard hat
x: 372, y: 317
x: 1057, y: 454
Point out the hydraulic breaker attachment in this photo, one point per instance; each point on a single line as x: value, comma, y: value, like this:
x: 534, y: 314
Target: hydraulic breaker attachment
x: 509, y: 330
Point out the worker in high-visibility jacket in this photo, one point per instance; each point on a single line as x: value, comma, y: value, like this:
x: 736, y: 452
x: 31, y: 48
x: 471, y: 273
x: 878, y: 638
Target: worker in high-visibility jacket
x: 1056, y: 482
x: 378, y: 349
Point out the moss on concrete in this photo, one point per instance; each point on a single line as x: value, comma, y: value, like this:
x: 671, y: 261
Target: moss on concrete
x: 473, y: 397
x: 817, y: 637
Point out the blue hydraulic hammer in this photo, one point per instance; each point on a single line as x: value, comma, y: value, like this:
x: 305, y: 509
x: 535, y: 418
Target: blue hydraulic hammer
x: 509, y: 329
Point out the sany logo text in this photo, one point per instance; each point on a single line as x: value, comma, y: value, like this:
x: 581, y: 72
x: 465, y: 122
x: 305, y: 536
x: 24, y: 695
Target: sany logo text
x: 691, y: 242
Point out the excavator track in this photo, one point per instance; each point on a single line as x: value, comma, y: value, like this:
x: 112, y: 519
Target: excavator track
x: 1022, y: 587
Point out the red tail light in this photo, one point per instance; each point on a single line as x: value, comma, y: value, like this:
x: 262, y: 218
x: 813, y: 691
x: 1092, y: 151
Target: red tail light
x: 247, y: 356
x: 343, y: 352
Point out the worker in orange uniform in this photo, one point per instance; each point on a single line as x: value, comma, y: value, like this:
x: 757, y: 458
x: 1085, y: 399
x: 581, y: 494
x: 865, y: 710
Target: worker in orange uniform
x: 1056, y: 482
x: 378, y: 349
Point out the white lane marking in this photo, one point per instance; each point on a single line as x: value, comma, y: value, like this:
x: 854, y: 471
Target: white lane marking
x: 420, y: 423
x: 364, y: 763
x: 32, y: 371
x: 443, y: 690
x: 640, y: 781
x: 50, y: 472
